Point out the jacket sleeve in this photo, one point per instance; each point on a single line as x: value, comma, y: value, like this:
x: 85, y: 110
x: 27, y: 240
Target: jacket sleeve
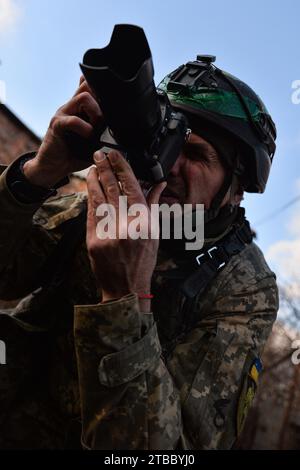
x: 128, y: 399
x: 15, y: 227
x: 28, y: 235
x: 132, y: 399
x: 22, y: 355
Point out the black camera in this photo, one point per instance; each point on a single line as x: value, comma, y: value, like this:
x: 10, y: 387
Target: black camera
x: 140, y: 120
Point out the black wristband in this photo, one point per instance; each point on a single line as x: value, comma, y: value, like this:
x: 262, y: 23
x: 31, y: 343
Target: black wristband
x: 22, y: 189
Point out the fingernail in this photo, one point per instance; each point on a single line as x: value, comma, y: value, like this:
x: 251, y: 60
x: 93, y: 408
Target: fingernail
x: 113, y: 156
x: 99, y: 156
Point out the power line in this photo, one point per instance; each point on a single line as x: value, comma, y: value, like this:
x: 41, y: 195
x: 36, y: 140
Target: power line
x: 278, y: 211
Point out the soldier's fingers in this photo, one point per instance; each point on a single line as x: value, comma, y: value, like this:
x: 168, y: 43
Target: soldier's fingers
x: 83, y: 86
x: 91, y: 219
x: 96, y: 194
x: 84, y: 104
x: 109, y: 182
x: 130, y: 186
x: 155, y: 193
x: 63, y: 124
x: 96, y: 198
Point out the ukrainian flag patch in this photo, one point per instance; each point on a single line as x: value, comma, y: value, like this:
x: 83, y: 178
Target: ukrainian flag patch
x: 255, y: 370
x: 248, y: 393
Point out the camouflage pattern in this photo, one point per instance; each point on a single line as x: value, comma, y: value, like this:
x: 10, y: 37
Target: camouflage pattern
x: 80, y: 374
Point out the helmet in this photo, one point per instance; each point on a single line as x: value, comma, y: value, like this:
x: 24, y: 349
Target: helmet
x: 226, y: 111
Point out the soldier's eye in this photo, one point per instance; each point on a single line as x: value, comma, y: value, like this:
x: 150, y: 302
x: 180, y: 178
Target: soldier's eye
x: 196, y: 152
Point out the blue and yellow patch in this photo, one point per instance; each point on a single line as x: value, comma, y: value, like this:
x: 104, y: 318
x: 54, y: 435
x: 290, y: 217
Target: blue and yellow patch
x: 247, y: 393
x: 255, y: 370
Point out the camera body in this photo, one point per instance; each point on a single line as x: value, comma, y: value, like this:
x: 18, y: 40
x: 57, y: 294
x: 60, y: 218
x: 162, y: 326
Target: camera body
x: 141, y: 122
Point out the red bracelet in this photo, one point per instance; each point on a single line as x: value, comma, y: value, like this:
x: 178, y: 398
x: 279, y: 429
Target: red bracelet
x: 145, y: 296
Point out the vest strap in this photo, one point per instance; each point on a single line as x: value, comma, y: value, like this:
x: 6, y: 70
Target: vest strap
x: 211, y: 261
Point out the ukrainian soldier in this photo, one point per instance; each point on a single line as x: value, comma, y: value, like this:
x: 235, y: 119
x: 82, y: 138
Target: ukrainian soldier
x: 135, y: 343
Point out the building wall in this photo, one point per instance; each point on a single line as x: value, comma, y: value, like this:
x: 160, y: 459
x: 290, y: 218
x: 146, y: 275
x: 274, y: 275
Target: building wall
x: 15, y: 137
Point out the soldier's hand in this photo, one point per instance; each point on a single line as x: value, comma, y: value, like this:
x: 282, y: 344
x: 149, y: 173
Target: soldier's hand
x: 121, y: 264
x: 79, y: 119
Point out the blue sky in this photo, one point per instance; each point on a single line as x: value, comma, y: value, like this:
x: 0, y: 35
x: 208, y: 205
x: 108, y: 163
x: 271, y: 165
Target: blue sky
x: 42, y: 42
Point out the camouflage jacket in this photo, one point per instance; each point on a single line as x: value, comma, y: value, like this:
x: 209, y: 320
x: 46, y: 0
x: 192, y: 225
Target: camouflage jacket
x: 80, y: 374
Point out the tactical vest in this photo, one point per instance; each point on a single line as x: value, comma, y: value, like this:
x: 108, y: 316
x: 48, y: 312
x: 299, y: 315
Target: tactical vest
x: 178, y: 292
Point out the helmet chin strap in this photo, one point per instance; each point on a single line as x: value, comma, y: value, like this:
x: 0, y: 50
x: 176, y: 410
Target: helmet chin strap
x: 231, y: 181
x: 215, y: 206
